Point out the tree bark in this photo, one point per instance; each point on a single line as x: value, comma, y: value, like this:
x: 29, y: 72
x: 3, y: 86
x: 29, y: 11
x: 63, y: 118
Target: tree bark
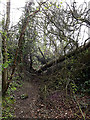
x: 4, y: 48
x: 19, y: 49
x: 5, y: 80
x: 42, y: 54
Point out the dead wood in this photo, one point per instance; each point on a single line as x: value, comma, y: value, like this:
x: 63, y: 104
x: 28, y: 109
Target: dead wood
x: 62, y: 58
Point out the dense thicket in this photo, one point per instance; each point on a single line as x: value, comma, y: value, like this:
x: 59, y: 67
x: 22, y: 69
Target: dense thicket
x: 47, y: 36
x: 49, y: 51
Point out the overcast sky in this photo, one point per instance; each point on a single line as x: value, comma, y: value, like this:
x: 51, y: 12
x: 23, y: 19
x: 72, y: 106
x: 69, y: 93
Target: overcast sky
x: 17, y: 7
x: 15, y: 4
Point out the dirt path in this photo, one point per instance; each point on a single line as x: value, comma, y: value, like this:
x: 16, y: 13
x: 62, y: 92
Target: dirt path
x: 26, y: 108
x: 33, y: 107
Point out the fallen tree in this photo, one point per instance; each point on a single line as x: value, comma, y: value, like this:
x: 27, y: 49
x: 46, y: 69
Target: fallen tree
x: 64, y: 57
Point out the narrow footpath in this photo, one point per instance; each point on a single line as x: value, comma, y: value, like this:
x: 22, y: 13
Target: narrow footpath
x: 29, y: 104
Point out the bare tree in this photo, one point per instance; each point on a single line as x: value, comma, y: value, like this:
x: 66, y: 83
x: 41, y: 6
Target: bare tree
x: 65, y: 26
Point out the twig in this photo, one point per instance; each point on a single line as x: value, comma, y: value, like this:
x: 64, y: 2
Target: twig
x: 79, y: 107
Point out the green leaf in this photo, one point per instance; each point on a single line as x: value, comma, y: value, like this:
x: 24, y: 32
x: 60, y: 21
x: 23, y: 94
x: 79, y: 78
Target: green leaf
x: 24, y: 96
x: 57, y: 6
x: 79, y: 18
x: 1, y: 32
x: 50, y: 5
x: 45, y: 8
x: 14, y: 88
x: 5, y: 65
x: 37, y: 8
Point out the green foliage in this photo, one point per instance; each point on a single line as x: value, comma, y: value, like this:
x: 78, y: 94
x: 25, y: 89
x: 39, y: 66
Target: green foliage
x: 13, y: 88
x: 73, y: 87
x: 24, y: 96
x: 0, y: 87
x: 9, y: 100
x: 44, y: 92
x: 7, y: 111
x: 73, y: 76
x: 5, y: 65
x: 45, y: 8
x: 85, y: 87
x: 7, y: 103
x: 4, y: 34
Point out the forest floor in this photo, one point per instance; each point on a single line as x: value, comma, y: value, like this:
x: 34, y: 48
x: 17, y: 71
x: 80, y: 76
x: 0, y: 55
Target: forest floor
x: 29, y: 103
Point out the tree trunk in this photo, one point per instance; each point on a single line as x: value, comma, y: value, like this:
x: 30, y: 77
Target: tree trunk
x: 42, y: 54
x: 20, y: 42
x: 19, y: 49
x: 4, y: 72
x: 4, y: 48
x: 62, y: 58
